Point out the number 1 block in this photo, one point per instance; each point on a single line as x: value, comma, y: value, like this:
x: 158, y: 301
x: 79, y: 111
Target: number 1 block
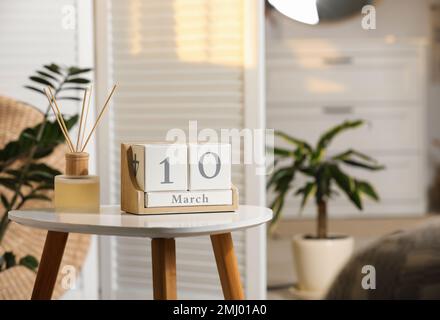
x: 209, y: 166
x: 160, y: 167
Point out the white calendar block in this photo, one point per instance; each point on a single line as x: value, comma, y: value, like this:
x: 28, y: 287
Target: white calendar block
x: 160, y: 167
x: 209, y: 166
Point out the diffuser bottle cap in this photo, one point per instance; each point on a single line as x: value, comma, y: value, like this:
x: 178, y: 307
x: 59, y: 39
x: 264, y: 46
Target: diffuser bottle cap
x: 77, y: 164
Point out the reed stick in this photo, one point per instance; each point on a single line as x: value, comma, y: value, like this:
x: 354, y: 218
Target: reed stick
x: 87, y: 114
x: 62, y: 129
x: 99, y: 118
x: 58, y: 120
x: 61, y: 117
x: 81, y: 120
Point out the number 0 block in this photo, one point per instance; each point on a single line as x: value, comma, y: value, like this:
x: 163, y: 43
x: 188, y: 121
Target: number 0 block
x: 209, y: 166
x: 160, y: 167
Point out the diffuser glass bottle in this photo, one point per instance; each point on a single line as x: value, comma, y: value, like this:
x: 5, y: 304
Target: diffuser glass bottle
x: 77, y: 191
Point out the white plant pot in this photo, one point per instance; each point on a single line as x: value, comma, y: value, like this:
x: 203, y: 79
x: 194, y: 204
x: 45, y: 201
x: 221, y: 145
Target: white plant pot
x: 318, y: 262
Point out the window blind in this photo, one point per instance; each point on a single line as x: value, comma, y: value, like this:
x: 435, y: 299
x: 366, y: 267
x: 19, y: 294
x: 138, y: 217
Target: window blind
x: 31, y: 35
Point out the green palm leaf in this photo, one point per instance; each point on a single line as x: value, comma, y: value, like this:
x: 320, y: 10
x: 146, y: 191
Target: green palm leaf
x: 352, y: 153
x: 280, y: 152
x: 294, y: 141
x: 328, y: 136
x: 278, y: 175
x: 307, y: 191
x: 367, y: 189
x: 363, y: 165
x: 347, y: 185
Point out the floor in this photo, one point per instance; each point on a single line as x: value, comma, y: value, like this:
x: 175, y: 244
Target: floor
x: 281, y: 273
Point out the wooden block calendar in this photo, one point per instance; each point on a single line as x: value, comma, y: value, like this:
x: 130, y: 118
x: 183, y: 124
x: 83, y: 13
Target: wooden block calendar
x: 176, y: 178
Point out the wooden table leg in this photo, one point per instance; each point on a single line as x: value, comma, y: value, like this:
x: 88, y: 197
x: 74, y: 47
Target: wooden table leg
x: 163, y: 254
x: 227, y: 266
x: 49, y: 265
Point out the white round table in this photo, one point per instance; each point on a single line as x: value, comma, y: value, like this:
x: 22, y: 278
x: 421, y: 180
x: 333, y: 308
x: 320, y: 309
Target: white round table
x: 162, y: 228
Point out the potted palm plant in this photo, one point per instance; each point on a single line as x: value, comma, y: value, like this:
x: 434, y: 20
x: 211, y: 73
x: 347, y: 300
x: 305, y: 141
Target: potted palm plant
x: 319, y: 257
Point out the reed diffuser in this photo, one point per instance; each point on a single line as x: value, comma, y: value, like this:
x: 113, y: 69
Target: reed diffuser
x: 76, y: 190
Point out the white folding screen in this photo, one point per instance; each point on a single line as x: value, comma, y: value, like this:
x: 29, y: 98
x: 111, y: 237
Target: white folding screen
x: 33, y: 33
x: 176, y: 61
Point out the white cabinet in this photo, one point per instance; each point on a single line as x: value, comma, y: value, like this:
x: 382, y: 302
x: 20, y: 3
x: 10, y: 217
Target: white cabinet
x: 312, y: 88
x: 343, y: 77
x: 388, y: 127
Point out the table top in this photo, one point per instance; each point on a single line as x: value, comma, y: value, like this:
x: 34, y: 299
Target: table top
x: 112, y: 221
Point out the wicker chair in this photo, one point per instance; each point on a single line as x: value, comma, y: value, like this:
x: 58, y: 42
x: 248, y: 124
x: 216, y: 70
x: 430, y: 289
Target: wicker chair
x: 17, y: 282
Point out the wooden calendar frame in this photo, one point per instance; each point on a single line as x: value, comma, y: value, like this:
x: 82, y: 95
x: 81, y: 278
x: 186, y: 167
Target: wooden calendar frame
x: 133, y: 198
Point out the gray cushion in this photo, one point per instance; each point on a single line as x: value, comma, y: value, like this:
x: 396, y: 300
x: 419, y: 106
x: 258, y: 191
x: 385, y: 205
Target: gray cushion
x: 407, y: 266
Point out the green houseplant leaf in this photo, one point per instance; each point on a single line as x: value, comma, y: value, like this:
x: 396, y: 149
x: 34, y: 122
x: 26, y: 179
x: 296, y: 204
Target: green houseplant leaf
x: 47, y: 75
x: 367, y: 189
x: 53, y: 68
x: 350, y: 154
x: 297, y: 142
x: 34, y: 89
x: 29, y: 262
x: 69, y: 98
x: 307, y: 191
x: 278, y: 175
x: 50, y: 138
x: 282, y: 152
x: 329, y: 135
x: 75, y: 70
x: 346, y: 184
x: 78, y: 80
x: 355, y: 163
x: 9, y: 258
x: 42, y: 80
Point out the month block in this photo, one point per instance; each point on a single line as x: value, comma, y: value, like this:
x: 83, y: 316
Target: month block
x: 209, y: 166
x: 188, y: 198
x: 160, y: 167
